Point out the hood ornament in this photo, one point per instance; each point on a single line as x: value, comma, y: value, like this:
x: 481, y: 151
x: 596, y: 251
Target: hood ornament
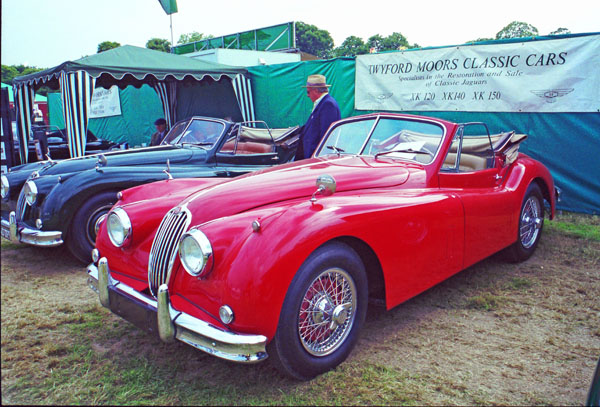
x: 102, y: 162
x: 168, y: 169
x: 325, y: 186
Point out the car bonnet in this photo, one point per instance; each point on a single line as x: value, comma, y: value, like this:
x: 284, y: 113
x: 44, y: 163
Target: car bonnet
x: 291, y: 181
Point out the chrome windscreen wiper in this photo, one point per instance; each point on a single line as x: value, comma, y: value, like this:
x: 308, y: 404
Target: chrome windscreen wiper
x: 337, y: 150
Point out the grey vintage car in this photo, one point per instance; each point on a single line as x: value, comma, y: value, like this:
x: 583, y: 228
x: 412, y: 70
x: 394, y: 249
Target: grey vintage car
x: 54, y: 202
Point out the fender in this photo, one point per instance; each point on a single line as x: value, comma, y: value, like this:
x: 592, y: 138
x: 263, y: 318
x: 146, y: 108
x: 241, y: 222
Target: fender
x: 63, y: 201
x: 527, y: 168
x: 255, y: 286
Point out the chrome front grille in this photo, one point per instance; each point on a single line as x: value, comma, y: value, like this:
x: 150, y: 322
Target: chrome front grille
x: 21, y: 205
x: 164, y: 247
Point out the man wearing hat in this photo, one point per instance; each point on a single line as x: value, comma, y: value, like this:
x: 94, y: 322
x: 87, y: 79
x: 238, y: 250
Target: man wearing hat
x: 161, y: 132
x: 325, y: 112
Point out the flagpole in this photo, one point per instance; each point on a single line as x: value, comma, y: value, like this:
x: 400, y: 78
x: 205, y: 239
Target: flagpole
x: 171, y: 19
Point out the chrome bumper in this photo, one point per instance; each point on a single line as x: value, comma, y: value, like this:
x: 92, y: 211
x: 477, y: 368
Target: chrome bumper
x: 173, y: 324
x: 17, y: 233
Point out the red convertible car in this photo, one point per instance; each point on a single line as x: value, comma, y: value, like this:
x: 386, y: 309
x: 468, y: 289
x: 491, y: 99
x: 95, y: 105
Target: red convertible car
x: 281, y: 262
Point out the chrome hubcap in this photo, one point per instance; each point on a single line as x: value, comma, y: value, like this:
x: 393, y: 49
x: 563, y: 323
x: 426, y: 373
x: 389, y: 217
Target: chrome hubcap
x: 327, y: 312
x: 531, y: 222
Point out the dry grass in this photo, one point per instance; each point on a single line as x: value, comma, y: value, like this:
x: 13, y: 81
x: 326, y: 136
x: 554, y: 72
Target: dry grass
x: 496, y: 333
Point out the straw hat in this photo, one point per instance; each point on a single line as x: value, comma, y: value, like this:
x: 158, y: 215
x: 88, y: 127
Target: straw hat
x: 316, y: 81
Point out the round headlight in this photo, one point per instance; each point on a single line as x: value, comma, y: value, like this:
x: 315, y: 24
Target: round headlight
x: 118, y: 226
x: 195, y: 252
x: 30, y: 191
x: 5, y: 187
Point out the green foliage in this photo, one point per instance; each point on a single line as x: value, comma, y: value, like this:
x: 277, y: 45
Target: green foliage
x: 159, y: 44
x: 106, y: 45
x: 313, y: 40
x: 560, y: 31
x: 517, y: 29
x: 9, y: 72
x: 392, y: 42
x: 480, y: 40
x: 351, y: 47
x: 192, y: 37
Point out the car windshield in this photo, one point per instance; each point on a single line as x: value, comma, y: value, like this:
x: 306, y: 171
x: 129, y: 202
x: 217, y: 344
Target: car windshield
x: 394, y: 137
x: 204, y: 133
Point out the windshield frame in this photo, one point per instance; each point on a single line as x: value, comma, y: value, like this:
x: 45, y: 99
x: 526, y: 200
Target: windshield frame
x: 176, y: 142
x: 378, y: 117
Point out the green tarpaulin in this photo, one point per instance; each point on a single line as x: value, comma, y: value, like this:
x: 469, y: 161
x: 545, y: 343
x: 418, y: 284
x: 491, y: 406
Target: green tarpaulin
x: 567, y: 143
x: 139, y: 108
x: 38, y: 98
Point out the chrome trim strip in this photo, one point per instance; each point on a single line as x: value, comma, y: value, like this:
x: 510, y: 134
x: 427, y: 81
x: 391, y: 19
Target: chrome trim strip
x: 23, y: 234
x: 186, y: 328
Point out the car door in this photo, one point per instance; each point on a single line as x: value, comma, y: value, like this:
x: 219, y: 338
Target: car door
x: 247, y: 149
x: 471, y: 171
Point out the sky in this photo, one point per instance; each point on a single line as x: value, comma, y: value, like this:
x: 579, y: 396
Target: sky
x: 46, y: 33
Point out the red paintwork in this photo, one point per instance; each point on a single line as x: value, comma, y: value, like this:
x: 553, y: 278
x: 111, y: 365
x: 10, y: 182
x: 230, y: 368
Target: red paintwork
x: 423, y: 225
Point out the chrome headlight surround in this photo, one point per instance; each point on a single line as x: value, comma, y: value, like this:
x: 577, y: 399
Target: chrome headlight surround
x: 195, y: 252
x: 5, y: 186
x: 30, y: 191
x: 118, y: 226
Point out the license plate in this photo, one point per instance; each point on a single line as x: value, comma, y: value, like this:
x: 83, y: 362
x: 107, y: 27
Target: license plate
x: 6, y: 233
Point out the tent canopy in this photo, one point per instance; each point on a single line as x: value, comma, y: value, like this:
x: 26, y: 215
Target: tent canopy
x: 129, y: 65
x: 122, y: 66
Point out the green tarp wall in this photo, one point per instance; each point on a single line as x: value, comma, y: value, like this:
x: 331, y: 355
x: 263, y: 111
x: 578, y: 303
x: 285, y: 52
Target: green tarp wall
x: 567, y: 143
x: 139, y: 109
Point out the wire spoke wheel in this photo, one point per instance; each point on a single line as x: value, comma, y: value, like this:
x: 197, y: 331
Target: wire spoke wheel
x: 327, y: 312
x: 530, y: 222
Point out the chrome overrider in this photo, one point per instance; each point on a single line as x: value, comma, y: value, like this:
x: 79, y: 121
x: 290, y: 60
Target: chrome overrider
x: 17, y: 232
x: 174, y: 324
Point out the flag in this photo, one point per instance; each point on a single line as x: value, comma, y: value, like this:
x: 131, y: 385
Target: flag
x: 170, y: 6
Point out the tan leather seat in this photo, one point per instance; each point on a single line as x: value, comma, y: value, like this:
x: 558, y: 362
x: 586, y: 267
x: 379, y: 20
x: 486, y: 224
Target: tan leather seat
x: 468, y: 162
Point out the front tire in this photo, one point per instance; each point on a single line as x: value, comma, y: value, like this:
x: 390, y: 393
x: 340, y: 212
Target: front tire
x: 82, y: 232
x: 531, y: 223
x: 322, y: 314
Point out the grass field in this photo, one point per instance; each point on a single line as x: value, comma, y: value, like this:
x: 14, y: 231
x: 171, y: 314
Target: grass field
x: 496, y: 333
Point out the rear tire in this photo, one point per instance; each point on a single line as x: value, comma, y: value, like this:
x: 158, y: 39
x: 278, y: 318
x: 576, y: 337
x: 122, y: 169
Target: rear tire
x: 531, y: 223
x: 322, y: 314
x: 82, y: 232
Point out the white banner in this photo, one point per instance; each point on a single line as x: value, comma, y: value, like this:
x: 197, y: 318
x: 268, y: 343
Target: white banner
x: 537, y: 76
x: 105, y: 103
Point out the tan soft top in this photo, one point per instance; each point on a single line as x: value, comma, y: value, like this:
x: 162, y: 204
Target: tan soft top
x: 250, y: 133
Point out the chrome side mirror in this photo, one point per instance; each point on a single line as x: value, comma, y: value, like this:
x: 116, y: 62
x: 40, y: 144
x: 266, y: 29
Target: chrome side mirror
x: 326, y: 186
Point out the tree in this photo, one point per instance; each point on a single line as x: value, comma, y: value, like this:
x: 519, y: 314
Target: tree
x: 9, y: 72
x: 159, y: 44
x: 192, y: 37
x: 311, y: 39
x: 106, y: 45
x: 560, y: 31
x: 394, y: 41
x: 517, y: 29
x: 480, y: 40
x: 375, y: 43
x: 351, y: 47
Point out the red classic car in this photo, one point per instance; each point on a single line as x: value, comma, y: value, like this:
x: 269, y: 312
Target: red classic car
x: 282, y: 262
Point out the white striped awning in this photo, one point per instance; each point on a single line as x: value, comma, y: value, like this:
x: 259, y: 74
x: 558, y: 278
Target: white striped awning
x: 167, y: 92
x: 24, y: 95
x: 76, y: 89
x: 243, y: 92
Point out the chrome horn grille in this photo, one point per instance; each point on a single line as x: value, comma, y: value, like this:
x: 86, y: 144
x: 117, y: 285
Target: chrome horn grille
x: 164, y: 247
x: 21, y: 205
